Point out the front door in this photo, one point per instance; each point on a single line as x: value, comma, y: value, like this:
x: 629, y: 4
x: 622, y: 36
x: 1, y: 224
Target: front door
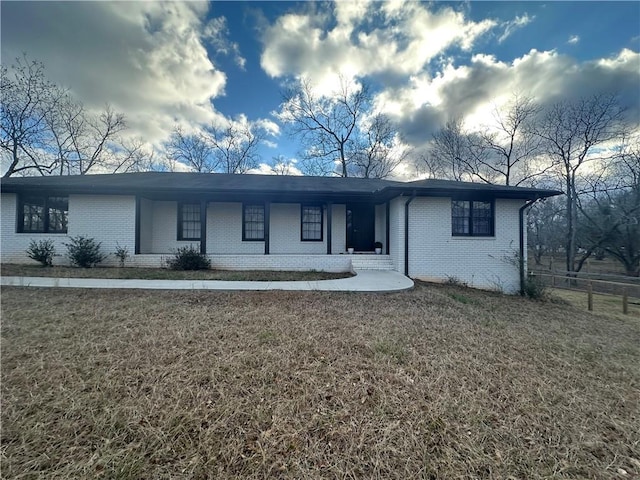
x: 361, y: 226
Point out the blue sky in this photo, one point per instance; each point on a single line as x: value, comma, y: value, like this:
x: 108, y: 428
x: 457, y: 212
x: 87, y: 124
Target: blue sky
x: 195, y: 63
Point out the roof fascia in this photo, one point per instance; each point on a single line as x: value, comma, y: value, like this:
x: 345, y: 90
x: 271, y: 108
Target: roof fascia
x: 380, y: 195
x: 466, y: 193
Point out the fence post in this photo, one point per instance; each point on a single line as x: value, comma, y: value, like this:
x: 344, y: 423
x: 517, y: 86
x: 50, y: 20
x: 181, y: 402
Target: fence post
x: 590, y: 297
x: 553, y: 280
x: 625, y: 301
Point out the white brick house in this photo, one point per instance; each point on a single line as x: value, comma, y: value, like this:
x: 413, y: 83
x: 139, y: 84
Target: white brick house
x: 429, y: 229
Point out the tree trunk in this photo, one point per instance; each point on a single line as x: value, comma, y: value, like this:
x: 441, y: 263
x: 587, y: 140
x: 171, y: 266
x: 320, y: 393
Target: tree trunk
x: 632, y: 271
x: 343, y: 161
x: 569, y: 245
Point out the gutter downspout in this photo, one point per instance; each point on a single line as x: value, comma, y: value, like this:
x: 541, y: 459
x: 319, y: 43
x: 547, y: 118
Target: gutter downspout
x: 406, y: 233
x: 522, y: 251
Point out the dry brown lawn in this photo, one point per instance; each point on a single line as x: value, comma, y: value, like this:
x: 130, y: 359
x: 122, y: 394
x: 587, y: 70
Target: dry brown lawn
x: 438, y: 382
x: 605, y: 305
x: 9, y: 269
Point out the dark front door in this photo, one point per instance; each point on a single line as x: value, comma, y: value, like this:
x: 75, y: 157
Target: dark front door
x: 360, y: 226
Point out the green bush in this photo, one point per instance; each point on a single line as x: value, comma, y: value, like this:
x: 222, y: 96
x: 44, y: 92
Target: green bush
x: 188, y: 258
x: 84, y: 251
x: 42, y: 251
x: 535, y: 288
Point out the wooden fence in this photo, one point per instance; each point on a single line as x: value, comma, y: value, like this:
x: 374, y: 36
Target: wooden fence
x: 572, y: 281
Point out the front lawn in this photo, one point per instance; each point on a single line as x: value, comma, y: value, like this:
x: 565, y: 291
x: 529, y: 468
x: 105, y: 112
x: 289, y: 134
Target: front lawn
x: 165, y: 273
x: 436, y: 382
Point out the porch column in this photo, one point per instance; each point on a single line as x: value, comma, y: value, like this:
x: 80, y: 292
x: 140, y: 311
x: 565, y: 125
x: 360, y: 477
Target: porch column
x: 267, y: 221
x: 136, y: 249
x: 203, y: 227
x: 329, y: 209
x: 386, y: 224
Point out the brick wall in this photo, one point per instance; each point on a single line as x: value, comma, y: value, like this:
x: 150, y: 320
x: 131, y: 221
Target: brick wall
x: 327, y: 263
x: 108, y: 219
x: 434, y: 253
x: 164, y: 228
x: 146, y: 226
x: 284, y: 236
x: 396, y: 232
x: 224, y: 231
x: 481, y: 262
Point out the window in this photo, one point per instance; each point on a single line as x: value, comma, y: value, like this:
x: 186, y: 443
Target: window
x: 40, y: 214
x: 471, y: 218
x: 253, y: 222
x: 188, y: 221
x: 311, y: 223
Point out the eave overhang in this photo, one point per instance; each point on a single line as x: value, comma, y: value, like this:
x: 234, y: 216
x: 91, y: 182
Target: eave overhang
x: 375, y: 191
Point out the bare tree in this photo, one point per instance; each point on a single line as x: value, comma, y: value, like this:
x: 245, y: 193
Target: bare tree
x: 82, y: 141
x: 44, y: 129
x: 232, y: 148
x: 133, y: 155
x: 327, y: 126
x: 63, y: 125
x: 572, y: 133
x: 280, y: 165
x: 610, y: 222
x: 235, y: 146
x: 627, y: 165
x: 545, y: 222
x: 378, y: 152
x: 27, y: 98
x: 609, y: 208
x: 193, y: 150
x: 92, y: 145
x: 512, y: 143
x: 502, y: 153
x: 450, y: 155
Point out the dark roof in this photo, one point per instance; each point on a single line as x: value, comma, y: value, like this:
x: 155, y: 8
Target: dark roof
x: 435, y: 187
x: 162, y: 183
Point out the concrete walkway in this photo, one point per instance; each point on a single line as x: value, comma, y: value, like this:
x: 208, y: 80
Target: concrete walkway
x: 363, y: 281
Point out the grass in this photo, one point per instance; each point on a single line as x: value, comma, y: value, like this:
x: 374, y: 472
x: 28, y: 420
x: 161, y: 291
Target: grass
x: 161, y: 384
x: 608, y: 266
x: 605, y: 305
x: 165, y: 274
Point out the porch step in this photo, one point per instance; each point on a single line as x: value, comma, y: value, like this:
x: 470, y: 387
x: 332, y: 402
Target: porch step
x: 371, y: 262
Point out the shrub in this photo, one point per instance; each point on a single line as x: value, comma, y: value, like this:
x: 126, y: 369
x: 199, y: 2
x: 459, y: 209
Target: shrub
x: 535, y: 288
x: 188, y: 258
x: 84, y: 251
x: 122, y: 254
x: 42, y: 251
x: 455, y: 281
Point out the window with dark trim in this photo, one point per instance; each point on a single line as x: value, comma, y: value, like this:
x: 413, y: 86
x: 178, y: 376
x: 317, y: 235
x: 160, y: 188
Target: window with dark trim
x: 189, y: 221
x: 470, y: 218
x: 252, y: 222
x: 43, y: 214
x: 311, y: 223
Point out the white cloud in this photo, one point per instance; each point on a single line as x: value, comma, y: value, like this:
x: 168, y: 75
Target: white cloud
x: 278, y: 166
x: 515, y: 24
x: 217, y: 33
x: 472, y: 91
x: 364, y: 38
x: 268, y: 126
x: 573, y: 40
x: 146, y: 59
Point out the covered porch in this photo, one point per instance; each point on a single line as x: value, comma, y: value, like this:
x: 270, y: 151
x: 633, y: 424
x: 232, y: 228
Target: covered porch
x: 231, y: 228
